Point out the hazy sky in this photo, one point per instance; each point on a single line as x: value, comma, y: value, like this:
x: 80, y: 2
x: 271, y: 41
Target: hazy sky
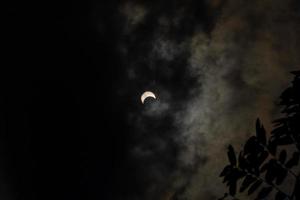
x: 215, y: 66
x: 72, y: 125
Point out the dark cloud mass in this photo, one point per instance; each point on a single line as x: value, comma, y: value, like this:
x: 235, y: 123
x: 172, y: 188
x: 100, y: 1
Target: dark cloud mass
x: 215, y: 66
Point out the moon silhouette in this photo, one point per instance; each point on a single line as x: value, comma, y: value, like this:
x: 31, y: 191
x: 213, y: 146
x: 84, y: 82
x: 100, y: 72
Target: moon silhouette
x: 147, y: 94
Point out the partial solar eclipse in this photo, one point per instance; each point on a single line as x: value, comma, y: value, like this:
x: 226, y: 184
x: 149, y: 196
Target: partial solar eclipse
x: 147, y: 94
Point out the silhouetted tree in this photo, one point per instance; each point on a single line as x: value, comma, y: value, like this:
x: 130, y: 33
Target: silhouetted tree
x: 264, y: 163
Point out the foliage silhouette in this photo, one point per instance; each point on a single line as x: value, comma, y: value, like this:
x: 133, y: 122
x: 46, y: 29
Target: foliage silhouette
x: 264, y: 163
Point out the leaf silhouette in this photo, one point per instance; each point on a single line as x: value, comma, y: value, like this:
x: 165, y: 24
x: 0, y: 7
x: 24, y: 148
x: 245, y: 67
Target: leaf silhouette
x: 232, y: 188
x: 247, y: 182
x: 282, y: 156
x: 233, y: 175
x: 279, y: 121
x: 272, y: 146
x: 262, y: 157
x: 282, y: 138
x: 293, y: 161
x: 281, y: 175
x: 254, y: 187
x: 280, y: 130
x: 264, y: 192
x: 231, y: 155
x: 260, y: 133
x: 257, y: 162
x: 242, y: 161
x: 252, y: 146
x: 280, y: 196
x: 225, y: 171
x: 271, y: 171
x: 264, y: 167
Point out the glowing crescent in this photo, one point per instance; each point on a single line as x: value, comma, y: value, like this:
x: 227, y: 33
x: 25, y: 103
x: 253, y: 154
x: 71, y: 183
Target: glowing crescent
x: 147, y: 94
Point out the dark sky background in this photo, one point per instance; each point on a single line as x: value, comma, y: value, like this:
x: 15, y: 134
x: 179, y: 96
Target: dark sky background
x: 71, y: 122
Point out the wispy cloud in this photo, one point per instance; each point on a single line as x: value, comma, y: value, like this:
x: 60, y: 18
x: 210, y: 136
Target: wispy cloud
x: 230, y: 75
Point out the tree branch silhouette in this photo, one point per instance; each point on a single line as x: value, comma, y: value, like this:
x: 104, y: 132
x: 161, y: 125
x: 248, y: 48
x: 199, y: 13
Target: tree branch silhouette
x: 259, y: 166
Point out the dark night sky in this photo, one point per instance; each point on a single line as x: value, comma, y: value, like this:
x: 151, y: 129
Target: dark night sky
x: 58, y: 113
x: 71, y: 122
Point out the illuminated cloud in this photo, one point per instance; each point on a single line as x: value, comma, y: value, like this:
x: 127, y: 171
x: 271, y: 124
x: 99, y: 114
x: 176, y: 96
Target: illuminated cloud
x: 232, y: 73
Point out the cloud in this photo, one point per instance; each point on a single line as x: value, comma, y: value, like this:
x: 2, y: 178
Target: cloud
x: 218, y: 80
x: 134, y: 13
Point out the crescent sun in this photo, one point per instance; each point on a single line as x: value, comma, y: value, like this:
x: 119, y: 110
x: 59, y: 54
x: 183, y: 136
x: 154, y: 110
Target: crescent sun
x: 147, y: 94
